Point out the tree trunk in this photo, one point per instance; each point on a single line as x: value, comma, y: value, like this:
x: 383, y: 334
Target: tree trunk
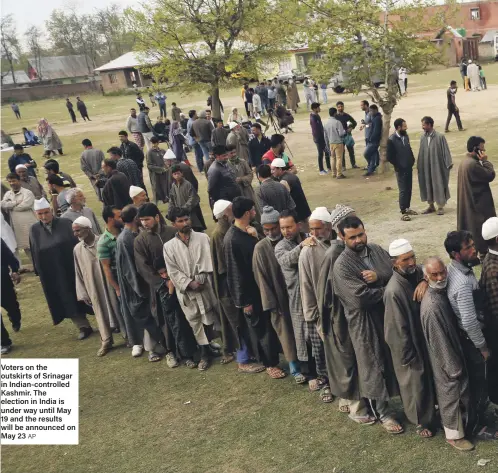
x: 215, y: 102
x: 386, y: 127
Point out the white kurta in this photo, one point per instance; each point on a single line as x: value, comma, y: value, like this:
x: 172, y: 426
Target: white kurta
x: 187, y: 263
x: 474, y: 77
x: 8, y: 235
x: 20, y: 206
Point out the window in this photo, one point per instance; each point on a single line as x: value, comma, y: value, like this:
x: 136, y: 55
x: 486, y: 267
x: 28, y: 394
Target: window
x: 475, y: 14
x: 112, y: 78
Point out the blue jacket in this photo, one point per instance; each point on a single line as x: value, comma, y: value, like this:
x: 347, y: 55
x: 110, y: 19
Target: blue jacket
x: 375, y: 129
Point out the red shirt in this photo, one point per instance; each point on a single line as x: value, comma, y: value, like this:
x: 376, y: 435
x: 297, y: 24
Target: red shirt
x: 269, y: 156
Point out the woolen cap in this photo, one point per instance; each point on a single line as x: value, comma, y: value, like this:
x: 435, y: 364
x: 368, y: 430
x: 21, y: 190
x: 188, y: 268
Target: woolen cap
x: 400, y: 247
x: 340, y: 212
x: 269, y: 215
x: 490, y: 228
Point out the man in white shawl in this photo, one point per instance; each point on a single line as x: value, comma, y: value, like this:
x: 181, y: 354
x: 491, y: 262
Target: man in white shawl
x: 190, y: 268
x: 474, y: 76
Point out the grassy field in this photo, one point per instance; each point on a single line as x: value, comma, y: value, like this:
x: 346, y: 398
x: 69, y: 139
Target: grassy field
x: 134, y: 415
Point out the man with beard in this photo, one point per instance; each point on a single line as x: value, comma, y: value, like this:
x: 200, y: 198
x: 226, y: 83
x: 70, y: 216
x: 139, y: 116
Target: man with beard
x: 310, y: 261
x: 77, y: 208
x: 117, y: 186
x: 222, y: 183
x: 149, y: 260
x: 400, y: 155
x: 189, y: 266
x: 239, y: 243
x: 271, y: 284
x: 138, y: 195
x: 403, y: 334
x: 271, y: 193
x: 447, y: 360
x: 29, y: 182
x: 238, y: 139
x: 361, y: 274
x: 475, y: 202
x: 52, y: 242
x: 91, y: 164
x: 467, y: 303
x: 91, y: 287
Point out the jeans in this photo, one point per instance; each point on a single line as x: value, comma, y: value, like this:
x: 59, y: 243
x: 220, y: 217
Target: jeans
x: 198, y: 156
x: 294, y: 368
x: 206, y: 148
x: 352, y: 157
x: 243, y: 355
x: 322, y: 149
x: 162, y: 110
x: 372, y: 156
x: 324, y: 96
x: 9, y: 301
x: 452, y: 112
x: 404, y: 177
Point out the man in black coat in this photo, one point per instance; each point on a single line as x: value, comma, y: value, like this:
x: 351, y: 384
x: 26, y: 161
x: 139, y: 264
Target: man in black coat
x: 117, y: 187
x: 82, y: 109
x: 259, y: 144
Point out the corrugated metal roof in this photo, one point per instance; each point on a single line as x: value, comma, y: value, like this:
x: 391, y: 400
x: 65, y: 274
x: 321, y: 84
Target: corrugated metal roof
x: 61, y: 67
x: 489, y: 37
x: 21, y: 78
x: 131, y: 59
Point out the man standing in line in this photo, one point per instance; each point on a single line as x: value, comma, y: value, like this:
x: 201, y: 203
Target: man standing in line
x: 189, y: 266
x: 132, y: 127
x: 434, y: 164
x: 76, y: 200
x: 238, y: 138
x: 400, y: 155
x: 239, y: 244
x: 404, y: 335
x: 91, y: 287
x: 145, y: 126
x: 202, y: 130
x: 258, y: 145
x: 222, y: 183
x: 467, y: 304
x: 447, y: 361
x: 127, y: 166
x: 80, y: 105
x: 271, y: 284
x: 220, y: 133
x: 70, y: 109
x: 371, y: 152
x: 361, y: 274
x: 271, y: 193
x: 52, y: 242
x: 29, y: 182
x: 366, y: 122
x: 52, y: 167
x: 349, y: 124
x: 319, y: 138
x: 191, y: 141
x: 161, y: 100
x: 334, y: 133
x: 157, y: 171
x: 310, y: 261
x: 8, y: 295
x: 117, y: 187
x: 138, y: 195
x: 277, y: 150
x: 489, y: 287
x: 91, y: 164
x: 452, y: 107
x: 131, y: 150
x: 475, y: 202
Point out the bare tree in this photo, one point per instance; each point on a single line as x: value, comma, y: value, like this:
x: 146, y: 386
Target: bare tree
x: 10, y: 47
x: 34, y: 37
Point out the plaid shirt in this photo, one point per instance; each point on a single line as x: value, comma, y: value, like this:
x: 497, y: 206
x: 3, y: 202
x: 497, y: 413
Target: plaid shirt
x: 489, y: 285
x: 130, y: 169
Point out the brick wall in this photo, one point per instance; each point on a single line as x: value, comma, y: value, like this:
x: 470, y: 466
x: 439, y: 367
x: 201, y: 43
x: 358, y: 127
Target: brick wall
x: 25, y: 94
x: 120, y: 82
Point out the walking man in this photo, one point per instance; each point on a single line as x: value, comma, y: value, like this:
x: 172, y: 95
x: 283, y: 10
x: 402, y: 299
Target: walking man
x: 319, y: 138
x: 70, y: 109
x: 371, y: 152
x: 452, y: 107
x: 80, y: 105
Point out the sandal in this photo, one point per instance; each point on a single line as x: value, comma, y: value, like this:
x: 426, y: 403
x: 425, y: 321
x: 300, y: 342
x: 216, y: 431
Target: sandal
x: 313, y: 385
x: 104, y: 349
x: 344, y: 409
x: 410, y: 212
x: 190, y: 364
x: 299, y: 378
x: 363, y: 420
x: 153, y: 357
x: 275, y: 372
x: 227, y: 359
x: 487, y: 433
x: 429, y: 210
x: 393, y: 426
x: 440, y: 211
x: 463, y: 445
x: 405, y: 218
x: 326, y: 395
x: 424, y: 432
x: 203, y: 365
x: 251, y: 368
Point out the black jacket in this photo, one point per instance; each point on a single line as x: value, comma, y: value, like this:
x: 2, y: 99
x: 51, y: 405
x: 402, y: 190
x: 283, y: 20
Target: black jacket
x: 399, y: 152
x: 222, y: 183
x: 257, y: 149
x: 375, y: 129
x: 132, y: 151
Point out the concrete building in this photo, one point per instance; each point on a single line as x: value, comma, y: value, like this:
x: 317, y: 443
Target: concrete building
x: 22, y: 79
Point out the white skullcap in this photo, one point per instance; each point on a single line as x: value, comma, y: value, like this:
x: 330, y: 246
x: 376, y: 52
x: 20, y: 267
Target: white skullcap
x: 278, y: 163
x: 322, y: 214
x: 232, y: 125
x: 83, y: 222
x: 170, y: 155
x: 135, y: 190
x: 21, y: 166
x: 490, y: 228
x: 470, y: 61
x: 220, y: 206
x: 41, y: 204
x: 399, y: 247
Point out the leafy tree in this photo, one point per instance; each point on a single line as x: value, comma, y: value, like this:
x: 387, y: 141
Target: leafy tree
x: 370, y: 40
x: 34, y: 37
x: 10, y: 46
x: 208, y: 44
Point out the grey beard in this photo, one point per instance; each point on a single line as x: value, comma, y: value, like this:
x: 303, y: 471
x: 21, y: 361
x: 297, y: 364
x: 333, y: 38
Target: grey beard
x: 274, y: 238
x: 438, y: 284
x: 408, y: 272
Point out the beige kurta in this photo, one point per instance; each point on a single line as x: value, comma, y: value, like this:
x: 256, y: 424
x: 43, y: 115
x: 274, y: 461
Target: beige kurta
x: 192, y: 262
x: 244, y: 174
x: 240, y: 139
x: 20, y: 207
x: 92, y: 287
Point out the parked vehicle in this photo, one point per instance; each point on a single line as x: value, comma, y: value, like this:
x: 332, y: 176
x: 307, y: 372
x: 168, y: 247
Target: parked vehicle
x: 300, y: 75
x: 339, y: 82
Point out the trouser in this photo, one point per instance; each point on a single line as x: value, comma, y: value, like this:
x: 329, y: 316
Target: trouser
x: 309, y: 101
x: 198, y: 156
x: 452, y: 112
x: 206, y: 148
x: 406, y: 85
x: 381, y: 410
x: 356, y: 408
x: 322, y: 149
x: 336, y: 152
x: 250, y: 109
x: 85, y: 116
x: 162, y: 110
x: 483, y: 83
x: 317, y: 350
x: 352, y: 157
x: 9, y: 301
x: 73, y: 116
x: 80, y: 321
x: 467, y: 83
x: 147, y: 136
x: 401, y: 84
x: 246, y: 106
x: 459, y: 433
x: 6, y: 341
x: 440, y: 206
x: 324, y: 96
x: 478, y: 384
x: 491, y: 335
x: 372, y: 157
x: 271, y: 103
x: 282, y: 325
x: 463, y: 79
x: 405, y: 180
x: 18, y: 115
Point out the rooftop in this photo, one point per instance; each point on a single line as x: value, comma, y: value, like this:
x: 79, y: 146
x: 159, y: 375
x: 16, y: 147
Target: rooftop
x: 60, y: 67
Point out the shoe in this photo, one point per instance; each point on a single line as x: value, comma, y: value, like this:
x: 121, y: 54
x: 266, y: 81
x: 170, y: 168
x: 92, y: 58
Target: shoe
x: 329, y: 170
x: 5, y: 349
x: 341, y: 176
x: 171, y: 360
x: 203, y: 365
x: 429, y: 210
x: 446, y: 131
x: 190, y: 364
x: 16, y: 328
x: 85, y: 332
x: 461, y: 129
x: 137, y: 351
x: 104, y: 349
x: 215, y: 346
x: 440, y: 211
x: 299, y: 378
x: 116, y: 330
x: 368, y: 174
x: 323, y: 173
x: 410, y: 212
x: 356, y: 167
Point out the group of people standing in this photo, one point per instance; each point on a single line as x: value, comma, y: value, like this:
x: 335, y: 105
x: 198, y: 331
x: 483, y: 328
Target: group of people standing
x: 80, y: 105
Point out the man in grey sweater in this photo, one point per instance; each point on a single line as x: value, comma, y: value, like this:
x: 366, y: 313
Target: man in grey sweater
x: 334, y: 132
x: 202, y: 130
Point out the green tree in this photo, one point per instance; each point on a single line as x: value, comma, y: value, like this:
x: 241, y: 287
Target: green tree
x: 208, y: 44
x: 111, y: 25
x: 34, y: 38
x: 369, y: 40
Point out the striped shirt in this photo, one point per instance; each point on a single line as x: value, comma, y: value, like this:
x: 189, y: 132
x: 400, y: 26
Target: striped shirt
x: 461, y: 286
